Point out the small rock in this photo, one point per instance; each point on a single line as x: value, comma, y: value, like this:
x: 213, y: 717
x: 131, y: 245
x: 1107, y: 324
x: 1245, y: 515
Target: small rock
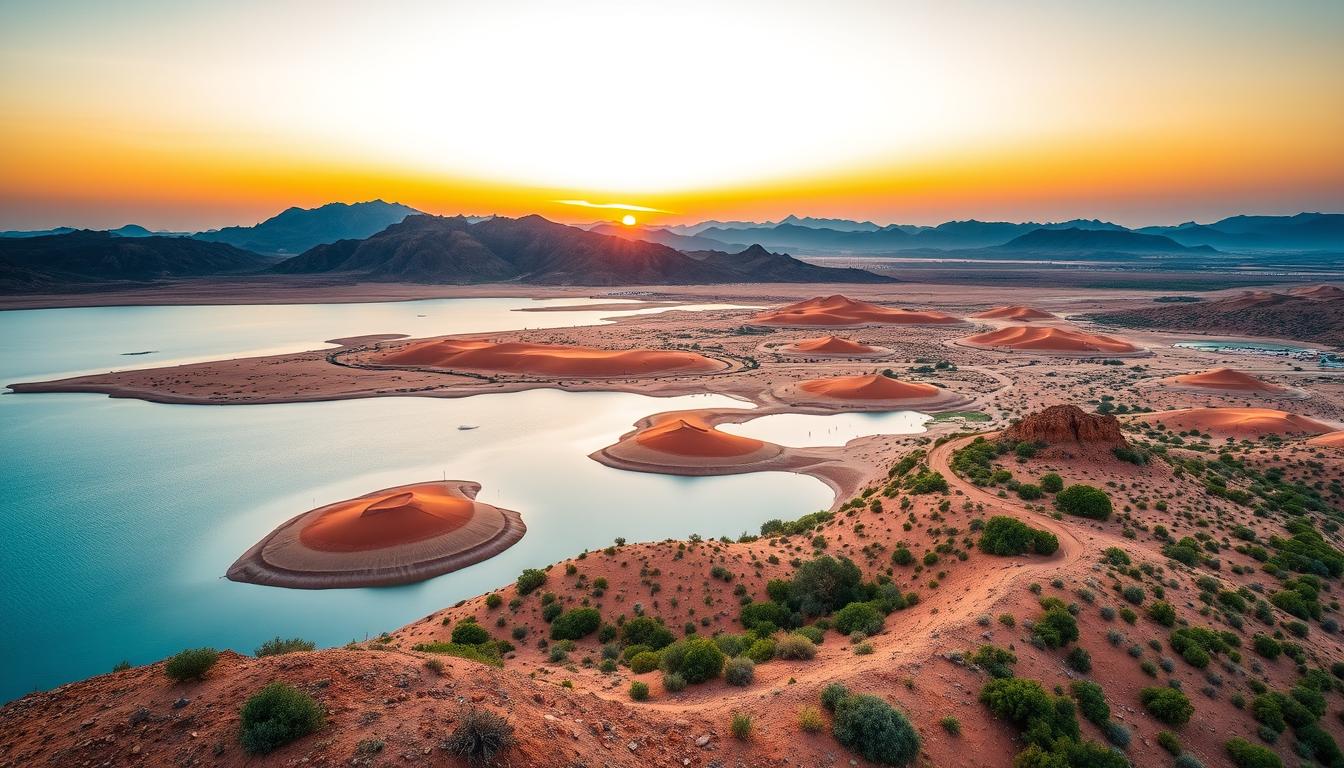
x: 634, y: 745
x: 180, y: 703
x: 702, y: 741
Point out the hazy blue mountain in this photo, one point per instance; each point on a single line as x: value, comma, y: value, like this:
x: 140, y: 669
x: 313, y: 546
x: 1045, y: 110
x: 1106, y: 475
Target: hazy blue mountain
x: 1074, y: 240
x: 1303, y: 232
x: 758, y: 265
x: 37, y: 232
x: 61, y: 262
x: 659, y: 235
x: 297, y: 229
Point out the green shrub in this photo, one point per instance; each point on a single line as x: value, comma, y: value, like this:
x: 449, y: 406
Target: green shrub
x: 1162, y: 612
x: 485, y: 653
x: 740, y: 725
x: 823, y: 584
x: 1029, y: 492
x: 857, y: 617
x: 470, y: 633
x: 767, y: 612
x: 1079, y: 660
x: 1084, y: 501
x: 795, y: 646
x: 646, y: 630
x: 1003, y: 535
x: 1244, y: 754
x: 1051, y: 483
x: 695, y: 658
x: 530, y: 580
x: 1056, y: 627
x: 480, y: 736
x: 1044, y: 719
x: 493, y: 600
x: 761, y: 651
x: 1167, y: 704
x: 996, y: 661
x: 1267, y: 646
x: 814, y: 633
x: 191, y: 664
x: 810, y: 719
x: 1169, y: 741
x: 280, y: 646
x: 832, y: 695
x: 739, y: 671
x: 639, y: 690
x: 576, y: 623
x: 277, y: 715
x: 646, y: 661
x: 875, y: 730
x: 673, y: 682
x: 1091, y: 701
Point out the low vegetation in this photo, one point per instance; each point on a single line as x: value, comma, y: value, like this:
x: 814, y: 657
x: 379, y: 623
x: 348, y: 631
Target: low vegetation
x: 276, y: 716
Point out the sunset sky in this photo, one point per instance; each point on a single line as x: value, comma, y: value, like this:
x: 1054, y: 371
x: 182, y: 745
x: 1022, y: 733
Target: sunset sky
x: 182, y: 114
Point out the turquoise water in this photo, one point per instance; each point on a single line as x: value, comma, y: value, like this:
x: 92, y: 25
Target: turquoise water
x: 1243, y: 346
x: 54, y: 343
x: 799, y: 430
x: 121, y: 516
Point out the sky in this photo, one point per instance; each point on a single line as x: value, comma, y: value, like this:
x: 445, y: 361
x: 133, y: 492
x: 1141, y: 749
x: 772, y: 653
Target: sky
x: 186, y: 114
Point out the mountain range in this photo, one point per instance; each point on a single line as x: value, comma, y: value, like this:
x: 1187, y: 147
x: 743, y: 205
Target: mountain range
x: 531, y: 249
x: 295, y: 230
x: 70, y: 260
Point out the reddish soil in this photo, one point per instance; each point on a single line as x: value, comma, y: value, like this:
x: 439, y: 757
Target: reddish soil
x: 1050, y: 340
x: 1017, y: 313
x: 1227, y: 379
x: 1252, y: 423
x: 545, y: 359
x: 871, y: 387
x: 687, y: 436
x: 832, y: 345
x: 840, y: 310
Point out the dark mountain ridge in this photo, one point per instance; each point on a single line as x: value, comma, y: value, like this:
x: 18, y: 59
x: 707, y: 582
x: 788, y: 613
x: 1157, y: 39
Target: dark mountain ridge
x: 295, y: 230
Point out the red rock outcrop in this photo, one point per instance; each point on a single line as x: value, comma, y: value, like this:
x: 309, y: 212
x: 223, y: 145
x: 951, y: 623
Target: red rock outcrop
x: 1066, y: 424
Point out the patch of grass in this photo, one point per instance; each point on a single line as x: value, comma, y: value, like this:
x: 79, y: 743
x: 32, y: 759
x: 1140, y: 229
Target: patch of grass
x: 478, y: 653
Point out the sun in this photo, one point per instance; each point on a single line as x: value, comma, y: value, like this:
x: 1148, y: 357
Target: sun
x: 628, y: 220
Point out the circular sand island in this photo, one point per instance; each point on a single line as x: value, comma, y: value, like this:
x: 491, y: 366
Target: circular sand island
x: 1228, y: 381
x: 684, y: 441
x: 1017, y: 313
x: 1052, y: 341
x: 840, y: 310
x: 1329, y: 440
x: 394, y: 536
x: 875, y: 390
x: 1252, y: 423
x: 833, y: 346
x: 552, y: 360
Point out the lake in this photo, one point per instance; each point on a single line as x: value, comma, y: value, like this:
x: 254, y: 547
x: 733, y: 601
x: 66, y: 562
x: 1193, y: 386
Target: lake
x: 799, y: 430
x: 122, y: 516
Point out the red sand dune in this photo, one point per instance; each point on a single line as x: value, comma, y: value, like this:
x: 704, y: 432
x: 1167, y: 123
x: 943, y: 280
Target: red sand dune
x: 1017, y: 312
x: 1322, y: 291
x: 359, y: 525
x: 875, y: 387
x: 1249, y: 299
x: 1228, y: 379
x: 684, y: 436
x: 1050, y: 340
x: 548, y: 359
x: 833, y: 345
x: 1329, y: 440
x: 841, y: 310
x: 1240, y: 422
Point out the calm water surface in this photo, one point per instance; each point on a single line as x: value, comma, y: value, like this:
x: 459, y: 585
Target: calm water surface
x: 800, y: 429
x: 120, y: 516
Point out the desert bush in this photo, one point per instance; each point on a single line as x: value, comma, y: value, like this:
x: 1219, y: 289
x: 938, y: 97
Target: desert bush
x: 493, y: 600
x: 740, y: 725
x: 279, y: 646
x: 480, y: 736
x: 810, y: 719
x: 765, y: 612
x: 1162, y: 612
x: 639, y: 690
x: 1079, y: 660
x: 761, y: 651
x: 1167, y: 704
x: 530, y: 580
x: 695, y: 658
x: 576, y: 623
x: 875, y: 730
x: 1003, y: 535
x: 645, y: 661
x: 795, y: 646
x: 277, y: 715
x: 1051, y: 483
x: 1244, y: 754
x: 191, y: 664
x: 1091, y: 701
x: 1084, y: 501
x: 1056, y: 627
x: 673, y: 682
x: 857, y: 617
x: 646, y: 630
x: 739, y: 671
x: 996, y: 661
x: 833, y: 694
x: 823, y: 584
x: 470, y: 633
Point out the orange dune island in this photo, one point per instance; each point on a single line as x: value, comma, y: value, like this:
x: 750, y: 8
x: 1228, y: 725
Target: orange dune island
x: 834, y: 346
x: 1329, y: 440
x: 393, y: 536
x: 1051, y: 340
x: 546, y: 359
x: 1228, y: 380
x: 686, y: 441
x: 1017, y: 312
x: 871, y: 390
x: 841, y: 310
x: 1238, y: 422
